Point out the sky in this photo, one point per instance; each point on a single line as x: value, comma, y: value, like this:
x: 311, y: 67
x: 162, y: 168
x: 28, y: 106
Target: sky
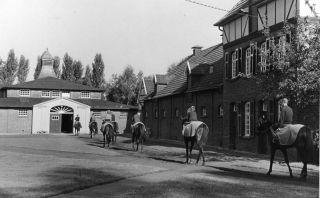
x: 149, y: 35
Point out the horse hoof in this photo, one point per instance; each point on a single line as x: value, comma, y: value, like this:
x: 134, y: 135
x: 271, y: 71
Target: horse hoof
x: 203, y: 164
x: 268, y: 173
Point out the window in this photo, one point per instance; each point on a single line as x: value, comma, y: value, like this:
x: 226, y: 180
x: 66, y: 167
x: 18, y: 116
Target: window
x: 220, y: 113
x: 264, y: 106
x: 234, y: 64
x: 97, y: 114
x: 24, y: 92
x: 164, y: 113
x: 23, y: 113
x: 146, y: 114
x: 263, y: 55
x: 156, y: 113
x: 55, y: 93
x: 247, y: 125
x: 249, y: 60
x: 65, y: 94
x: 226, y: 61
x: 45, y: 93
x: 235, y: 108
x: 211, y: 70
x: 203, y: 111
x: 177, y: 113
x: 55, y: 118
x: 85, y: 94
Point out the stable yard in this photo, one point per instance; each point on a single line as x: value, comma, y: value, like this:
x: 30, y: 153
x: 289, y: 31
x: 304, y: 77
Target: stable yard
x: 68, y: 166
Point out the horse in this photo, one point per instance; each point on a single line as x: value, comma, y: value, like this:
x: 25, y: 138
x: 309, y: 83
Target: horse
x: 93, y: 127
x: 200, y: 137
x: 107, y: 130
x: 77, y: 126
x: 139, y: 135
x: 303, y: 144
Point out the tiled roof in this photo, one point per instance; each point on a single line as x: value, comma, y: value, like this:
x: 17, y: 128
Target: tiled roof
x: 46, y: 55
x: 147, y: 88
x: 179, y: 83
x: 15, y: 102
x: 51, y: 83
x: 210, y: 81
x: 240, y: 5
x: 161, y: 79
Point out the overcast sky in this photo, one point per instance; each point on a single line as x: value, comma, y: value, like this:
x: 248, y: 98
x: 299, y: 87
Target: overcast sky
x: 147, y: 34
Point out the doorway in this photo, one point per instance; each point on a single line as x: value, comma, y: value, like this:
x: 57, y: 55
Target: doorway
x: 66, y: 123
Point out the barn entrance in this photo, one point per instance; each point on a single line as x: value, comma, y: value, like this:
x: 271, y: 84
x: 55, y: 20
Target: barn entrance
x: 61, y: 119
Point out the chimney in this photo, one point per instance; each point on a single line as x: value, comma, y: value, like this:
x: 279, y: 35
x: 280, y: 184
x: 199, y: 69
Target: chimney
x: 196, y: 49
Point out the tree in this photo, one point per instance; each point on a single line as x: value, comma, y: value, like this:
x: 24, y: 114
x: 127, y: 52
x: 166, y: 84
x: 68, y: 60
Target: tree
x: 87, y: 76
x: 97, y: 72
x: 9, y: 69
x: 77, y: 71
x: 67, y: 68
x: 38, y: 68
x: 124, y: 88
x: 291, y: 69
x: 171, y: 69
x: 56, y: 66
x: 23, y: 69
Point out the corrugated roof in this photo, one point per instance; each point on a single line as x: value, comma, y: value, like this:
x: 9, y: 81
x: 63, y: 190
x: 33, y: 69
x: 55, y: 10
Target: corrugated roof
x: 179, y: 83
x: 15, y: 102
x: 53, y: 84
x: 235, y: 9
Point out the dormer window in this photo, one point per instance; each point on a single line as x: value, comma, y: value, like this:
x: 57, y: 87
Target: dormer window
x: 24, y: 92
x: 45, y: 93
x: 85, y: 94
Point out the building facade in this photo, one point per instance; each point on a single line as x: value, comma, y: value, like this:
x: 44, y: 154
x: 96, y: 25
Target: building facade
x: 243, y: 42
x: 50, y: 105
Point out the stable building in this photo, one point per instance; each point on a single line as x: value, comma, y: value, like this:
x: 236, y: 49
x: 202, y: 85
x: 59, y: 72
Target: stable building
x: 50, y: 105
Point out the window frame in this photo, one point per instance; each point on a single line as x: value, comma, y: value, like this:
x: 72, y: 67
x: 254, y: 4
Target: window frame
x: 53, y: 92
x: 234, y: 64
x: 263, y: 55
x: 85, y: 94
x: 247, y: 119
x: 220, y: 110
x: 204, y: 112
x: 23, y: 113
x: 54, y: 117
x: 249, y: 61
x: 23, y: 91
x: 177, y: 113
x: 45, y: 95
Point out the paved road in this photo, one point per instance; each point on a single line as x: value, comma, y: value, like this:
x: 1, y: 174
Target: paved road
x: 68, y: 166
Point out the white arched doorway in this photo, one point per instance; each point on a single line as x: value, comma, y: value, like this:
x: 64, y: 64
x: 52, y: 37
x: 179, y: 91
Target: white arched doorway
x: 60, y: 110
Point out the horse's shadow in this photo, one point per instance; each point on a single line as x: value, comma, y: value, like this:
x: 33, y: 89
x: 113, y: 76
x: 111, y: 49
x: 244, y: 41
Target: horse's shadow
x: 262, y: 176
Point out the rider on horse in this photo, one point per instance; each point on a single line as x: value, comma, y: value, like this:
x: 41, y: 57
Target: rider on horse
x: 93, y: 120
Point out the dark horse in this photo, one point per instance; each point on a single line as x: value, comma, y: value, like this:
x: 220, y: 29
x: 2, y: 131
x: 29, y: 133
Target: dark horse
x: 303, y: 144
x: 93, y: 127
x: 77, y: 126
x: 200, y: 138
x: 139, y: 135
x: 108, y: 131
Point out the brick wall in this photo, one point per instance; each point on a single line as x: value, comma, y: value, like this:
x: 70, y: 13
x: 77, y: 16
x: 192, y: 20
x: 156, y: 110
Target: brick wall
x: 10, y: 122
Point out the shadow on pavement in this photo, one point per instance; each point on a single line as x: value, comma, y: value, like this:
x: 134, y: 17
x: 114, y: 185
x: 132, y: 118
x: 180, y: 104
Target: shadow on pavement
x: 274, y: 178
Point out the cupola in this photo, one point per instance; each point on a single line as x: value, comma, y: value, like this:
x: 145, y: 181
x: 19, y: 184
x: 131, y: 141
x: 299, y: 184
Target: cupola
x: 47, y: 65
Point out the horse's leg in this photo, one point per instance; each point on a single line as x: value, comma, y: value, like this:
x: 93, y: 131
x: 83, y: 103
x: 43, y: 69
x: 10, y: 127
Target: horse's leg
x: 141, y: 143
x: 104, y: 140
x: 273, y: 151
x: 186, y: 143
x: 303, y: 173
x: 132, y: 140
x: 191, y: 147
x: 203, y: 158
x: 285, y: 154
x: 200, y: 153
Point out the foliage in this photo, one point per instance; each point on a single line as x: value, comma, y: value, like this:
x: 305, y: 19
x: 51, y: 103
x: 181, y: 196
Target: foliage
x: 124, y: 88
x: 77, y: 71
x: 23, y: 69
x: 9, y: 69
x: 67, y: 68
x: 56, y: 66
x: 38, y: 68
x: 292, y: 67
x: 97, y: 79
x: 86, y: 80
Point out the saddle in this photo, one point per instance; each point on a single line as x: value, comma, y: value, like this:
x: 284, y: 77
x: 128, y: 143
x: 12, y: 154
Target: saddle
x: 189, y: 128
x: 288, y: 134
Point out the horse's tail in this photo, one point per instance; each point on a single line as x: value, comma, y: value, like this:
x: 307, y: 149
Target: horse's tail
x: 202, y: 134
